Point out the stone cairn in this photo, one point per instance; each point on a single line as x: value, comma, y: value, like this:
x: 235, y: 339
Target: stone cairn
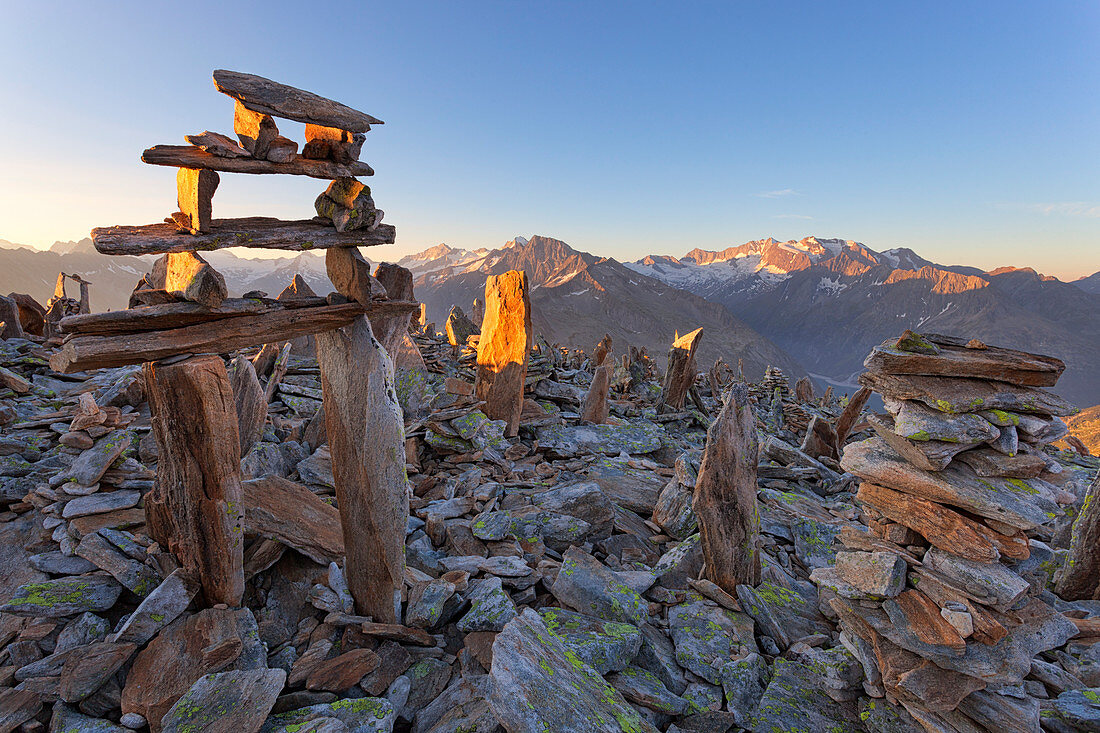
x: 943, y: 601
x: 181, y: 319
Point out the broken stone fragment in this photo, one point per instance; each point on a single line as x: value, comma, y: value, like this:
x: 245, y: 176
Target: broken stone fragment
x: 880, y: 574
x: 490, y: 608
x: 348, y: 204
x: 585, y: 583
x: 459, y: 327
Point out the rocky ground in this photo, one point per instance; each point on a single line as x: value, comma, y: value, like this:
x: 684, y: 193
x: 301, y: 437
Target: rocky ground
x: 553, y: 580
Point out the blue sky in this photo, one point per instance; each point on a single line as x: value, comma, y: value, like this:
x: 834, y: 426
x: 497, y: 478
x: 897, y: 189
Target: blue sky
x: 966, y: 131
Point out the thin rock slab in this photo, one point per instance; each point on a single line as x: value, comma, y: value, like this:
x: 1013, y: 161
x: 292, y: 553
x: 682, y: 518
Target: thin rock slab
x: 343, y: 671
x: 990, y: 583
x: 89, y: 466
x: 725, y: 495
x: 228, y: 702
x: 361, y: 715
x: 642, y: 687
x: 1021, y: 503
x: 569, y: 441
x: 88, y: 668
x: 161, y: 607
x: 68, y: 720
x: 916, y: 421
x: 282, y: 510
x: 954, y: 395
x: 280, y: 100
x: 138, y: 577
x: 681, y: 371
x: 606, y: 646
x: 583, y: 582
x: 250, y: 400
x: 928, y: 455
x: 100, y: 503
x: 64, y: 596
x: 950, y: 357
x: 538, y: 684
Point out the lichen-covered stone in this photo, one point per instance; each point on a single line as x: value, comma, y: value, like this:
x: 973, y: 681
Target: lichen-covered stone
x: 64, y: 596
x: 362, y: 715
x: 228, y: 702
x: 490, y: 608
x: 585, y: 585
x: 606, y: 646
x: 743, y: 682
x: 796, y: 701
x: 568, y: 441
x: 706, y: 636
x: 538, y: 684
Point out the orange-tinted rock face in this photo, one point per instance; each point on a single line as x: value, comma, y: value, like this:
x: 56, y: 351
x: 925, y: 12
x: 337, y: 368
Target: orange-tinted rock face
x: 502, y: 350
x: 946, y: 282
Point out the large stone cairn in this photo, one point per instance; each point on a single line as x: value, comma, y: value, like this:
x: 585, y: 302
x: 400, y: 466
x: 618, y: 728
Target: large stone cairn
x: 943, y: 601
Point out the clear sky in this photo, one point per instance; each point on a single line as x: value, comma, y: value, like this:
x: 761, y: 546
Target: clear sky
x: 966, y: 131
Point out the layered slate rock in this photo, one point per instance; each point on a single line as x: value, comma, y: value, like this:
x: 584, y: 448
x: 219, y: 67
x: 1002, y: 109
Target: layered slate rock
x: 539, y: 684
x: 606, y: 646
x: 228, y: 702
x: 502, y: 349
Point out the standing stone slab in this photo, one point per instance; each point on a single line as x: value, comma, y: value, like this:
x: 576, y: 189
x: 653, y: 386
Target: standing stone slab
x: 366, y: 437
x: 195, y: 508
x: 1080, y: 577
x: 539, y: 685
x: 502, y: 349
x: 160, y: 608
x: 680, y: 374
x: 725, y: 495
x: 251, y: 403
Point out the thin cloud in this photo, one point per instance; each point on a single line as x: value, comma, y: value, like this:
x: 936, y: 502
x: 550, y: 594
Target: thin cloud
x: 1083, y: 209
x: 776, y: 194
x: 792, y: 216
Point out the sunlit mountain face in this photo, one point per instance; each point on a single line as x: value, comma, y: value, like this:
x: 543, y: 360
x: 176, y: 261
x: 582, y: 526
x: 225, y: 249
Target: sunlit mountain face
x: 827, y: 301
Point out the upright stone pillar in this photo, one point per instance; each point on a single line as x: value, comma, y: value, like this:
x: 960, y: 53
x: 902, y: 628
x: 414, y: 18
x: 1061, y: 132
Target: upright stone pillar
x: 503, y: 346
x: 725, y: 495
x: 680, y: 373
x: 366, y: 436
x: 194, y: 509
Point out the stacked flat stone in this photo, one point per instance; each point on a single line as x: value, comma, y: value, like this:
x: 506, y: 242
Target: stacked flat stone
x: 943, y: 600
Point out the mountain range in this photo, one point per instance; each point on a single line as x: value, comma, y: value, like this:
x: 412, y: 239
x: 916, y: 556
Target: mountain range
x: 813, y: 305
x: 577, y: 297
x: 828, y: 301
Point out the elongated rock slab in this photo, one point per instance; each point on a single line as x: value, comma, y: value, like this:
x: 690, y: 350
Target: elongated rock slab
x: 283, y: 510
x: 228, y: 702
x: 251, y: 232
x: 280, y: 100
x: 950, y: 357
x: 366, y: 436
x: 948, y: 394
x: 1022, y: 503
x: 191, y: 156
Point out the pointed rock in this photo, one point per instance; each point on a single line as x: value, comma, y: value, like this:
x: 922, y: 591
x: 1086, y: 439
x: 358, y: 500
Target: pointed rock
x: 502, y: 349
x: 681, y: 370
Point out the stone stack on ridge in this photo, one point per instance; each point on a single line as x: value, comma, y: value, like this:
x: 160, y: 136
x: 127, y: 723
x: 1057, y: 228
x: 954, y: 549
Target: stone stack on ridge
x: 944, y: 601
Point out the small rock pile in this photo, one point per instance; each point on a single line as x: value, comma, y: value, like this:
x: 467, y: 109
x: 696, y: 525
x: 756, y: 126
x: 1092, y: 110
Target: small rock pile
x: 944, y: 602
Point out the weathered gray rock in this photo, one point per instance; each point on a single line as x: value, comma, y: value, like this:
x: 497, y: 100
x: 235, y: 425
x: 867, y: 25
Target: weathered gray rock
x: 362, y: 715
x: 795, y: 700
x: 83, y: 630
x: 706, y: 636
x: 539, y: 685
x: 878, y: 574
x: 681, y: 563
x: 814, y: 541
x: 761, y: 613
x: 1079, y: 708
x: 919, y: 422
x: 583, y: 500
x: 64, y: 596
x: 584, y: 584
x: 490, y: 607
x: 68, y: 720
x: 99, y: 503
x: 138, y: 577
x: 161, y: 607
x: 90, y: 465
x: 227, y: 702
x: 990, y: 583
x: 426, y: 603
x: 606, y: 646
x: 743, y: 682
x: 658, y: 655
x: 642, y: 687
x: 56, y: 563
x: 568, y: 441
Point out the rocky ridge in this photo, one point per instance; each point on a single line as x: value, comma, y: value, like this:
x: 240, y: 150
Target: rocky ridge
x: 554, y: 580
